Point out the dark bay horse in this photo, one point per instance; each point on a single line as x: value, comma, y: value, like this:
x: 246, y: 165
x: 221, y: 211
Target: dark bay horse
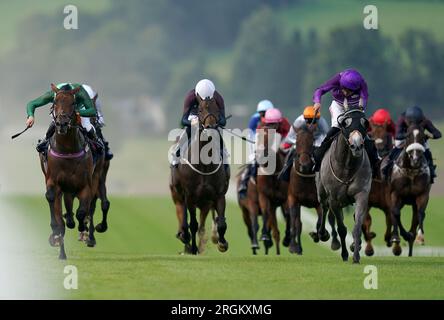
x: 201, y: 184
x: 345, y: 178
x: 302, y: 189
x: 410, y: 185
x: 68, y: 168
x: 379, y: 196
x: 272, y: 192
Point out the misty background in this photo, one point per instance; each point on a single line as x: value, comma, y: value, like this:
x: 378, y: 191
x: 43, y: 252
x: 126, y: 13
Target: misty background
x: 143, y: 56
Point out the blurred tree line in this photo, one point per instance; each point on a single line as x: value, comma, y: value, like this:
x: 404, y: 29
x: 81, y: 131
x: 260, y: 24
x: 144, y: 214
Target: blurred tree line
x: 161, y: 48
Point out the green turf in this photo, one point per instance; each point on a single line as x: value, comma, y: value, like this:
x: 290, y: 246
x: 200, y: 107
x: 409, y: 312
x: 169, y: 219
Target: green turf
x: 138, y: 258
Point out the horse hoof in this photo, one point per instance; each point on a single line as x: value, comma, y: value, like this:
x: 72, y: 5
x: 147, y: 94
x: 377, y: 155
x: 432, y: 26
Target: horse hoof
x: 255, y: 246
x: 420, y: 241
x: 369, y: 251
x: 335, y: 245
x: 214, y: 239
x: 54, y: 240
x: 62, y: 256
x: 356, y: 261
x: 91, y: 243
x: 397, y: 250
x: 372, y: 235
x: 70, y: 224
x: 314, y: 236
x: 325, y: 236
x: 183, y: 237
x: 345, y: 258
x: 222, y: 246
x: 187, y: 249
x: 83, y: 236
x: 352, y: 248
x: 101, y: 227
x: 286, y: 241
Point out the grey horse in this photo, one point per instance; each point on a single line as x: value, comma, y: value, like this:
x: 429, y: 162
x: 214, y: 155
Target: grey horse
x: 345, y: 178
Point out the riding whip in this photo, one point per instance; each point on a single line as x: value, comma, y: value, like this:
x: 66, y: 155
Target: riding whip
x: 18, y: 134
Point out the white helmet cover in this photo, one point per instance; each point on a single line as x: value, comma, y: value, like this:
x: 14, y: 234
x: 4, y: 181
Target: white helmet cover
x: 89, y: 90
x: 264, y: 105
x: 205, y: 89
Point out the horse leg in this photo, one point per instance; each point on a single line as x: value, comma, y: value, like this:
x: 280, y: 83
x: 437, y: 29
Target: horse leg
x: 248, y: 223
x: 275, y: 230
x: 293, y: 212
x: 82, y: 212
x: 91, y: 241
x: 222, y: 244
x: 361, y: 210
x: 69, y: 215
x: 421, y: 203
x: 201, y: 229
x: 413, y: 228
x: 266, y: 217
x: 388, y: 230
x: 181, y: 213
x: 395, y: 213
x: 335, y: 244
x: 254, y: 213
x: 50, y: 197
x: 286, y: 213
x: 298, y: 225
x: 368, y: 235
x: 193, y: 228
x: 342, y: 230
x: 58, y: 215
x: 105, y: 204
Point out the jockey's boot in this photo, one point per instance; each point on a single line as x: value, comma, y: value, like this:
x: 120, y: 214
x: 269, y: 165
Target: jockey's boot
x: 42, y: 145
x: 108, y: 154
x: 285, y: 172
x: 95, y: 141
x: 385, y: 170
x: 372, y: 153
x: 432, y: 166
x: 319, y: 152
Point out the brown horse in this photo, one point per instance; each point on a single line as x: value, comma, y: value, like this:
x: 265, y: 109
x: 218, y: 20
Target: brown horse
x: 197, y: 183
x: 410, y: 185
x: 379, y: 196
x: 302, y: 189
x: 100, y: 174
x: 68, y: 168
x: 272, y: 192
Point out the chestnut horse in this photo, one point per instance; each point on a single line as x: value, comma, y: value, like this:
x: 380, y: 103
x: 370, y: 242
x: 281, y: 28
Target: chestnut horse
x: 198, y: 184
x: 69, y: 167
x: 272, y: 192
x: 100, y: 173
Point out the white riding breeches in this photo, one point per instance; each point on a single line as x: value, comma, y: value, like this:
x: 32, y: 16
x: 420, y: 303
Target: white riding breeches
x: 86, y: 123
x: 335, y: 111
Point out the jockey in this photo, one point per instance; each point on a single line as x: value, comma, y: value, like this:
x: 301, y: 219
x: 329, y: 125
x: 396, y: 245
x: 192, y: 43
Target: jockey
x: 204, y: 90
x: 100, y: 122
x: 412, y: 115
x: 382, y: 117
x: 84, y: 106
x: 349, y: 89
x: 272, y: 116
x: 256, y: 118
x: 308, y: 118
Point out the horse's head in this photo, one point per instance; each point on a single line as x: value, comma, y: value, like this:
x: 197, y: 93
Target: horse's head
x: 354, y: 126
x: 304, y: 148
x: 414, y: 146
x: 64, y: 108
x: 208, y: 113
x: 382, y: 137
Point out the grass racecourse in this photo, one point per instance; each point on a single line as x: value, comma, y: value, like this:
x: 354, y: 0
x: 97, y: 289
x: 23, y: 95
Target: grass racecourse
x: 138, y: 258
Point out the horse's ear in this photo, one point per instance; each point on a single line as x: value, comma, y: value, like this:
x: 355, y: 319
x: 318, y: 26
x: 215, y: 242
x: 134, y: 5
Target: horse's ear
x: 74, y: 91
x: 95, y: 97
x: 54, y: 88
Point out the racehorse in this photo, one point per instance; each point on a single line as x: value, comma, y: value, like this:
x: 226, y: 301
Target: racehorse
x: 100, y: 172
x: 68, y: 168
x: 379, y: 196
x: 345, y: 178
x: 203, y: 184
x: 272, y: 192
x: 302, y: 188
x: 251, y: 211
x: 410, y: 185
